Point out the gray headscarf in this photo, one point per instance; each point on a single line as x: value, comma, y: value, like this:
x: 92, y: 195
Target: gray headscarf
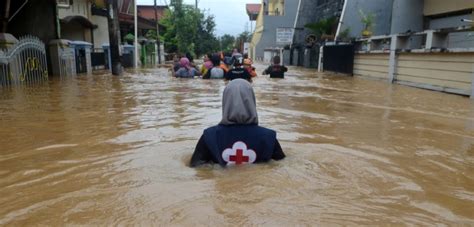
x: 238, y: 104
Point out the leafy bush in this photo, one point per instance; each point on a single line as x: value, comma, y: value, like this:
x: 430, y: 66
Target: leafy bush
x: 323, y: 27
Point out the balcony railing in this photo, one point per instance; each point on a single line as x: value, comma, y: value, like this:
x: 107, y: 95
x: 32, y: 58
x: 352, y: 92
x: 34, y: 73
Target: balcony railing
x: 273, y: 13
x: 415, y: 42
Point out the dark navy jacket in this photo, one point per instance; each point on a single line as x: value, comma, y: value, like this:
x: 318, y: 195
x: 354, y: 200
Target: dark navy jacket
x: 237, y: 144
x: 238, y: 73
x: 276, y: 71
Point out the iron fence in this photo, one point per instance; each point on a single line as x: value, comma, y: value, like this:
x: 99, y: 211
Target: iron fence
x: 23, y: 63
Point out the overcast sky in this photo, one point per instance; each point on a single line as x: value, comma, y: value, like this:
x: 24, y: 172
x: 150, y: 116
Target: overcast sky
x: 230, y: 15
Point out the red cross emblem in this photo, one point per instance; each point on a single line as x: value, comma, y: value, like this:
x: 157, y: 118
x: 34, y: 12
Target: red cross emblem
x: 239, y: 154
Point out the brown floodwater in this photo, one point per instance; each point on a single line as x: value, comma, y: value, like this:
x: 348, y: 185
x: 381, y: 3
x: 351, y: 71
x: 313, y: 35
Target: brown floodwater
x: 114, y: 151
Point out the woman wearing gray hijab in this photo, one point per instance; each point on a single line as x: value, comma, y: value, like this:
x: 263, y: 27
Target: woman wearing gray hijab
x: 237, y: 139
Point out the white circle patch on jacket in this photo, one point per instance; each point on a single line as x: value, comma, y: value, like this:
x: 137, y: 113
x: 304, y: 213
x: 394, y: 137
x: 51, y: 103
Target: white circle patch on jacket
x: 239, y: 154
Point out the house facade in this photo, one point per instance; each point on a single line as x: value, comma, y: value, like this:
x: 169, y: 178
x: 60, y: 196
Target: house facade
x: 67, y: 28
x: 273, y: 29
x: 83, y: 20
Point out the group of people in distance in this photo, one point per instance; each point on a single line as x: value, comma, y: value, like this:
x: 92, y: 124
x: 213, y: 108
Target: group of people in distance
x: 227, y: 66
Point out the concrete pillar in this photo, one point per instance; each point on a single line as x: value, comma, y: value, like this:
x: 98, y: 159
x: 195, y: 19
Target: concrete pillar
x: 295, y: 57
x: 436, y: 40
x: 320, y: 62
x: 472, y: 84
x: 7, y: 40
x: 286, y: 57
x: 162, y: 53
x: 114, y: 37
x: 156, y: 59
x: 62, y: 58
x: 307, y: 58
x: 89, y: 59
x: 392, y: 66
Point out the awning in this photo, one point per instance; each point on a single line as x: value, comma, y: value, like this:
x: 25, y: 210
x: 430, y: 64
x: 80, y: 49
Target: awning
x: 80, y: 19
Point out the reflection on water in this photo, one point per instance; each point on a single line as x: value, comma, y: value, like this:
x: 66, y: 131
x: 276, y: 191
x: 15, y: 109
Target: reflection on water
x: 107, y: 150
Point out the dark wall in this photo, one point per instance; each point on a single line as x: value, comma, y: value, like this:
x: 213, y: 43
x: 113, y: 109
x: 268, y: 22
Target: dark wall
x: 37, y: 18
x: 312, y: 11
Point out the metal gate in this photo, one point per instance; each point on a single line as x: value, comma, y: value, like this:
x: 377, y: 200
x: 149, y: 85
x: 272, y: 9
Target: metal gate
x: 98, y: 58
x: 23, y: 63
x: 339, y: 58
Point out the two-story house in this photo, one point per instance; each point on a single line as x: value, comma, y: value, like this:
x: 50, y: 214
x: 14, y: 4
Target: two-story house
x: 273, y: 29
x: 83, y: 20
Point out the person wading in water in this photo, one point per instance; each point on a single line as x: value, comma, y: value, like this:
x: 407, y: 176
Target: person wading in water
x: 238, y: 71
x: 215, y: 72
x: 186, y: 70
x: 276, y: 70
x: 237, y: 139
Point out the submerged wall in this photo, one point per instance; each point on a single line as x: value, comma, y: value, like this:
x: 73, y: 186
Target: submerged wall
x: 449, y: 72
x: 371, y: 65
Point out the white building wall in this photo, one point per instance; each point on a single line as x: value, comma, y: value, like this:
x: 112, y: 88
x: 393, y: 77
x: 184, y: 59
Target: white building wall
x: 101, y: 33
x: 79, y: 7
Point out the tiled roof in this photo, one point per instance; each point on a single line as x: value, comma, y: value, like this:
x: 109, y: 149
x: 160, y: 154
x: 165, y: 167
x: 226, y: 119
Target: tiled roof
x: 253, y: 8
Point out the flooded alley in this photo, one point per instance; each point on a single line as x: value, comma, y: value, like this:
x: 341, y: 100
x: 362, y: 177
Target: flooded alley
x: 104, y: 150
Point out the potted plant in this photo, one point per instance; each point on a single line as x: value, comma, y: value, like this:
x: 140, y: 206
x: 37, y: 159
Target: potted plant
x: 129, y: 38
x: 368, y: 21
x: 344, y: 36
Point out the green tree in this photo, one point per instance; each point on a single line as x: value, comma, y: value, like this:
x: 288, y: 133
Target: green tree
x: 181, y: 26
x: 227, y: 42
x: 323, y: 27
x: 151, y: 34
x: 188, y: 30
x: 206, y: 41
x: 242, y: 38
x: 129, y: 38
x: 169, y: 38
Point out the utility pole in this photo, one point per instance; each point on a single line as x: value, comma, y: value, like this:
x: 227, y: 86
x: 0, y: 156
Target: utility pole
x: 114, y: 36
x: 7, y: 16
x: 196, y: 4
x: 157, y: 34
x: 135, y: 30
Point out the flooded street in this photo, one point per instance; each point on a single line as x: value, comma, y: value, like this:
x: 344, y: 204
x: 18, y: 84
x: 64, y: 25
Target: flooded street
x: 102, y: 150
